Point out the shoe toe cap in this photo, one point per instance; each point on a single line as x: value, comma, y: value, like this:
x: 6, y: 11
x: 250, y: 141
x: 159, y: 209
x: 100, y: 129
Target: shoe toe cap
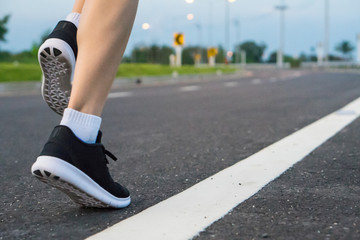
x: 120, y: 191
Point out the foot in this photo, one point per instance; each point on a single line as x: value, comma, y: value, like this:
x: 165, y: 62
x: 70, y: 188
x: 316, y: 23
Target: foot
x: 79, y: 170
x: 57, y: 61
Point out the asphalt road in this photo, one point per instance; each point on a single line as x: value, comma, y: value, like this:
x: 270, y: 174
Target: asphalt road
x: 169, y: 137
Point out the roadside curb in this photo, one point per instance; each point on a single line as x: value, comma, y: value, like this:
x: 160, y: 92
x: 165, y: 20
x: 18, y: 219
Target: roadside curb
x: 19, y: 88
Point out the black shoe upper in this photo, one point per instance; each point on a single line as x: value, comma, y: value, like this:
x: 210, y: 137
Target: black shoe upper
x: 66, y: 31
x: 89, y: 158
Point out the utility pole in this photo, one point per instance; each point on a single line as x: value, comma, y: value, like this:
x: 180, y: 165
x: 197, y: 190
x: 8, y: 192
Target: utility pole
x: 227, y: 26
x: 198, y: 27
x: 210, y: 23
x: 358, y: 48
x: 326, y: 35
x: 237, y: 40
x: 282, y: 7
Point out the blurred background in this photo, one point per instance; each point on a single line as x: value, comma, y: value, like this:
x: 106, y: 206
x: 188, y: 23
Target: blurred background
x: 241, y: 31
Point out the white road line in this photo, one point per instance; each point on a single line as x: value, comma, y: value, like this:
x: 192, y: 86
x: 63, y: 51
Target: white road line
x: 120, y: 94
x: 189, y: 88
x: 191, y: 211
x: 230, y: 84
x: 256, y: 81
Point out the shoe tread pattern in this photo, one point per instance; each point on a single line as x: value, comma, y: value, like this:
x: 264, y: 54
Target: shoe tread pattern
x: 56, y: 70
x: 77, y: 195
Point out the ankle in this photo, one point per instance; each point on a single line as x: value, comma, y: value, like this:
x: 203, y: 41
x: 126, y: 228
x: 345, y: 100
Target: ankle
x: 73, y: 17
x: 84, y: 126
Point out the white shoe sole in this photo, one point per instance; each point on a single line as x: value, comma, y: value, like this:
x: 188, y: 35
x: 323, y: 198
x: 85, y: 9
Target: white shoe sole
x: 57, y: 62
x: 76, y: 184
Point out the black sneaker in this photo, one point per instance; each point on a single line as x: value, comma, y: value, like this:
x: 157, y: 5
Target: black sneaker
x: 79, y: 170
x: 57, y: 60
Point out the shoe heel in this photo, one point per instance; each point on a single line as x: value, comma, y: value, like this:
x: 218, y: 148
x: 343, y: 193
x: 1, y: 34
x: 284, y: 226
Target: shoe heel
x: 44, y: 175
x: 57, y: 62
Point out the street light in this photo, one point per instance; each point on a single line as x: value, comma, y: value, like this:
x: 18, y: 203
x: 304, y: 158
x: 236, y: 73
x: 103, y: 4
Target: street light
x: 227, y: 24
x: 190, y: 16
x: 210, y: 30
x: 326, y: 35
x: 280, y: 52
x: 237, y: 40
x: 145, y: 26
x: 189, y: 1
x: 198, y: 28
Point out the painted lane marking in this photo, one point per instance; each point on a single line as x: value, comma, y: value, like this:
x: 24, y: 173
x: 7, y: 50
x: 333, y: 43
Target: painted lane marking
x: 186, y: 214
x: 120, y: 94
x: 230, y: 84
x: 256, y: 81
x: 189, y: 88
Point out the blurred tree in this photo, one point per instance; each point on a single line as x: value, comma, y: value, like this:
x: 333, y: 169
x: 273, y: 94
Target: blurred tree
x: 303, y: 57
x: 254, y: 52
x: 152, y: 54
x: 345, y: 48
x: 273, y: 57
x: 188, y: 55
x: 139, y: 54
x: 3, y: 27
x: 165, y: 53
x: 220, y: 57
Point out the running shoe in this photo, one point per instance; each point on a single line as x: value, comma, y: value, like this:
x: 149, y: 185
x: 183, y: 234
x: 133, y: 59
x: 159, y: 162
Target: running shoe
x: 57, y: 60
x: 79, y: 170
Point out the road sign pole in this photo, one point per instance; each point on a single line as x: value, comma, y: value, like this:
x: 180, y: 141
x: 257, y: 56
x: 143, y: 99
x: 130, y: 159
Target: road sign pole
x: 212, y: 61
x: 179, y: 41
x: 320, y: 54
x: 243, y: 58
x: 178, y: 50
x: 326, y: 35
x: 358, y: 48
x: 212, y: 52
x: 280, y: 52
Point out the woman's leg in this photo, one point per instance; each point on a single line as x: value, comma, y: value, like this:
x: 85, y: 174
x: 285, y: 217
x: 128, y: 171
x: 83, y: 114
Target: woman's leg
x: 102, y: 36
x: 70, y: 160
x: 78, y: 6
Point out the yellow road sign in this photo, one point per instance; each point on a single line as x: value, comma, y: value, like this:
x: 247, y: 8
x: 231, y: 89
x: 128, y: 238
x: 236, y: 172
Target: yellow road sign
x: 179, y: 39
x: 212, y: 52
x: 197, y: 57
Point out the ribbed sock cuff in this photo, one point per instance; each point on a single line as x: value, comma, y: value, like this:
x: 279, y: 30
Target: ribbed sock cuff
x: 85, y: 126
x: 73, y: 17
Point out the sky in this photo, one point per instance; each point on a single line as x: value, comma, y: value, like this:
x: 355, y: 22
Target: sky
x: 256, y: 20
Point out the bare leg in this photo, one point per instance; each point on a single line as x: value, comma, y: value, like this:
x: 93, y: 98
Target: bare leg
x: 103, y: 33
x: 102, y: 37
x: 78, y: 6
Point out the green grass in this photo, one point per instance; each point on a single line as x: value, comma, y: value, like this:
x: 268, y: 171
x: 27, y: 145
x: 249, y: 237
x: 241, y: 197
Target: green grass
x: 15, y: 72
x: 139, y: 70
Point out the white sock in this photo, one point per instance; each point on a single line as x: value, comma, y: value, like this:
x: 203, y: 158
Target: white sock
x: 84, y: 126
x: 73, y: 17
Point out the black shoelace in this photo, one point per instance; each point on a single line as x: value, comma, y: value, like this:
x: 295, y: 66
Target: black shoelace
x: 109, y: 154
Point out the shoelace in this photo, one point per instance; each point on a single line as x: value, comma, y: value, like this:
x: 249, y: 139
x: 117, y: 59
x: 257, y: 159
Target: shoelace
x: 109, y: 154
